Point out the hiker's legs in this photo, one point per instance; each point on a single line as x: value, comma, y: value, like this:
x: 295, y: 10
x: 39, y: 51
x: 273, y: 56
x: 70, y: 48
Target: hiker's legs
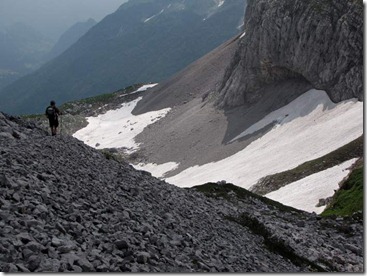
x: 53, y: 125
x: 56, y: 124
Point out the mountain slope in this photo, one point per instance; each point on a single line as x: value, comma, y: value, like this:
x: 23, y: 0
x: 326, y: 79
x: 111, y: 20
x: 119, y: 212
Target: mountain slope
x: 289, y: 124
x: 71, y: 36
x: 84, y: 212
x: 138, y: 43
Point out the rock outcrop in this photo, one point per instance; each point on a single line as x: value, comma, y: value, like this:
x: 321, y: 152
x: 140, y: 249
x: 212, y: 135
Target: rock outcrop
x: 65, y: 207
x: 317, y: 41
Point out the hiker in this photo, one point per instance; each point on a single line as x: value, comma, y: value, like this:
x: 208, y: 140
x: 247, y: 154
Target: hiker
x: 52, y: 113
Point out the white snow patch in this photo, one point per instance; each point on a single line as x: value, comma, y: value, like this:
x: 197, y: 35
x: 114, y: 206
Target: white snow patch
x: 239, y: 27
x: 305, y: 193
x: 143, y: 88
x: 314, y: 127
x: 221, y: 2
x: 157, y: 170
x: 146, y: 86
x: 146, y: 20
x: 243, y: 34
x: 302, y: 106
x: 118, y: 128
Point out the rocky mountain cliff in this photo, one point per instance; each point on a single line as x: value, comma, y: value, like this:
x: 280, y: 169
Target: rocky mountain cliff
x: 317, y: 41
x: 67, y: 207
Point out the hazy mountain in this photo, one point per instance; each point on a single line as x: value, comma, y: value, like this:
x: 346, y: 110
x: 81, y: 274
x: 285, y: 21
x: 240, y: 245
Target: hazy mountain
x: 22, y: 50
x: 54, y: 17
x: 142, y: 41
x: 70, y: 37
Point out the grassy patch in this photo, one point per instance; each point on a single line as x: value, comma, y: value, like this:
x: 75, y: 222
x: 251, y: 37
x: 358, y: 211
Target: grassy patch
x: 112, y: 155
x: 79, y: 106
x: 227, y: 191
x: 349, y: 198
x: 273, y: 182
x: 33, y: 116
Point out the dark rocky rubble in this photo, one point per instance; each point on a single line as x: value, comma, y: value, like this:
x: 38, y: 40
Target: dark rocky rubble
x: 65, y: 207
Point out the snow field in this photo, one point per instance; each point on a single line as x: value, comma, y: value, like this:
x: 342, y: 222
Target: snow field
x: 305, y: 193
x: 305, y: 129
x: 143, y: 88
x: 118, y: 128
x: 155, y: 169
x: 313, y: 127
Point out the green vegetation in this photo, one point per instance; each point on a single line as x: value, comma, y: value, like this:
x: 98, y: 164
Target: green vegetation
x: 349, y: 198
x: 273, y: 182
x: 97, y: 99
x: 101, y: 99
x: 111, y: 155
x: 33, y: 116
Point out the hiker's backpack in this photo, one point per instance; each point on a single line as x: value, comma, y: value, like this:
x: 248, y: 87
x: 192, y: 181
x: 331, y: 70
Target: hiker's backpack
x: 51, y: 112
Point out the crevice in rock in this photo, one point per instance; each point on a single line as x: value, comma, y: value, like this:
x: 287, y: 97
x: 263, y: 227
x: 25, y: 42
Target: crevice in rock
x: 273, y: 243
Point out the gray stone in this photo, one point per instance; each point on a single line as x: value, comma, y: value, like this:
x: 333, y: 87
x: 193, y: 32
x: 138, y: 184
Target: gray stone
x: 24, y: 237
x: 6, y: 135
x: 142, y: 257
x: 49, y: 265
x: 56, y: 242
x: 11, y: 268
x: 76, y: 269
x: 85, y: 265
x: 22, y: 268
x: 33, y: 262
x: 66, y: 248
x: 354, y: 249
x: 121, y: 244
x: 27, y: 253
x: 34, y: 246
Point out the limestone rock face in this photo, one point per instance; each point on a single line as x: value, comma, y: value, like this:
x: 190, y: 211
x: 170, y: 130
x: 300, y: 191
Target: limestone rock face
x: 317, y: 41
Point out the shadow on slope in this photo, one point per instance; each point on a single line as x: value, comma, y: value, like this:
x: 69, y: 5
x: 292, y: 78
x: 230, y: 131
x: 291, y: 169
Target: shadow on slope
x: 274, y: 97
x: 196, y: 132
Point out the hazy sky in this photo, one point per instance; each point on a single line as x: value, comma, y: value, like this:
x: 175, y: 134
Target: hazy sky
x: 53, y: 17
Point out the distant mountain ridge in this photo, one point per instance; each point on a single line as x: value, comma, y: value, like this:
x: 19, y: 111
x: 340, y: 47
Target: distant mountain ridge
x: 22, y: 50
x: 142, y: 41
x: 71, y: 36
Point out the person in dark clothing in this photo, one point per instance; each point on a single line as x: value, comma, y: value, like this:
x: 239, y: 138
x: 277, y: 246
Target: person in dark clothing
x: 52, y: 113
